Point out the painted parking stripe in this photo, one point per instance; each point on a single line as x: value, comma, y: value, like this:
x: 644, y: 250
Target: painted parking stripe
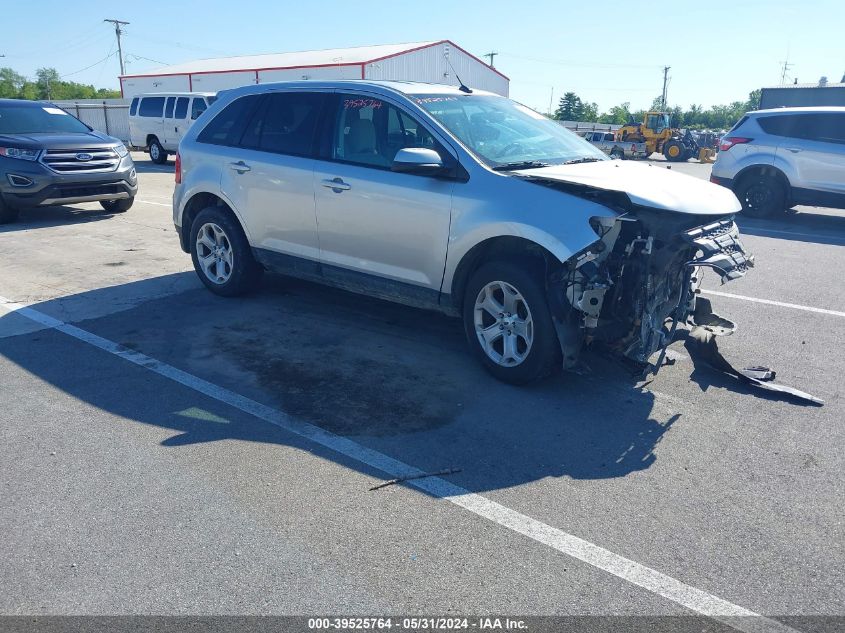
x: 650, y: 579
x: 754, y: 231
x: 770, y: 302
x: 158, y: 204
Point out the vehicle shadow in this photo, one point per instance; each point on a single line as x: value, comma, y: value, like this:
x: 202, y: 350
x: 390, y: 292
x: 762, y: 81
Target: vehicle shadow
x: 146, y: 166
x: 45, y: 217
x: 803, y: 225
x: 397, y: 379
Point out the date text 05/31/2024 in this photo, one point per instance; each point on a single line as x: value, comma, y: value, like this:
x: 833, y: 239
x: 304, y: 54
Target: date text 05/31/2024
x: 416, y: 624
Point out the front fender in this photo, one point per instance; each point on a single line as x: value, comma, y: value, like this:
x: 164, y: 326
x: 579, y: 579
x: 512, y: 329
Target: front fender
x: 555, y: 220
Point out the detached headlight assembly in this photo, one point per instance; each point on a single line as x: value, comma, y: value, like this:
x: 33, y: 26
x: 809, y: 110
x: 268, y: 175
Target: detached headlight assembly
x: 22, y: 154
x: 121, y: 150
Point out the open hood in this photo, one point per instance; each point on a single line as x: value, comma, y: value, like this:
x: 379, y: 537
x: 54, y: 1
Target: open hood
x: 646, y: 185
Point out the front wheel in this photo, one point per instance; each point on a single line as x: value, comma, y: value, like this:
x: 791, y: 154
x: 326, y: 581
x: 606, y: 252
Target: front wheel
x: 157, y: 153
x: 7, y: 213
x: 221, y: 254
x: 675, y: 151
x: 618, y: 154
x: 117, y: 206
x: 761, y: 196
x: 508, y: 322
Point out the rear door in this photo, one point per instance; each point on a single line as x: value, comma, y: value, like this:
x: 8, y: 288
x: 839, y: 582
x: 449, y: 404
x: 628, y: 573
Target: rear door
x: 268, y: 173
x: 815, y: 143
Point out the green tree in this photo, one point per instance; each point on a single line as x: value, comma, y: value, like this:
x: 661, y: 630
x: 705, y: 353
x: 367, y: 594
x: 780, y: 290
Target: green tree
x: 569, y: 108
x: 618, y: 115
x: 11, y: 83
x: 753, y: 102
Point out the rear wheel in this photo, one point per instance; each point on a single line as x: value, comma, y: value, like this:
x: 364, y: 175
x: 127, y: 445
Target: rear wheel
x: 674, y: 151
x: 221, y: 254
x: 761, y: 195
x: 7, y: 213
x: 508, y: 323
x: 617, y: 154
x: 117, y: 206
x: 157, y: 153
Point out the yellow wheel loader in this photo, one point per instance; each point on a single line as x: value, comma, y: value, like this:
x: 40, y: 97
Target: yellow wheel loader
x: 658, y: 135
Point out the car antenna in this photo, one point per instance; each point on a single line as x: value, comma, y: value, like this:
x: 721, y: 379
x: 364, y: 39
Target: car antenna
x: 461, y: 87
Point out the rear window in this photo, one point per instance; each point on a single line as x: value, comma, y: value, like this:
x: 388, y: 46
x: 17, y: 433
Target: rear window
x: 227, y: 127
x: 739, y: 123
x: 181, y: 108
x: 198, y: 107
x: 29, y: 119
x: 151, y: 106
x: 825, y: 127
x: 133, y: 109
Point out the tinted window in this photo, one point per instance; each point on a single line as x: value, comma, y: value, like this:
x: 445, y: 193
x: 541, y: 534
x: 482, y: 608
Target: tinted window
x: 827, y: 127
x: 227, y: 127
x: 133, y: 109
x: 168, y: 107
x: 181, y: 108
x: 151, y: 106
x: 198, y: 107
x: 284, y: 123
x: 370, y: 132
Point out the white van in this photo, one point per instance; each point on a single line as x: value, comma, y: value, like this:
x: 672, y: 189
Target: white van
x: 157, y: 121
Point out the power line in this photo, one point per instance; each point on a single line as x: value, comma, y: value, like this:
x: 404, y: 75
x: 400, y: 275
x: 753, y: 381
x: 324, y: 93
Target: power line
x: 563, y: 62
x: 75, y: 72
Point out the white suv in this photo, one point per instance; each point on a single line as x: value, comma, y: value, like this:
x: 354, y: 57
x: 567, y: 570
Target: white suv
x: 775, y: 159
x: 454, y: 200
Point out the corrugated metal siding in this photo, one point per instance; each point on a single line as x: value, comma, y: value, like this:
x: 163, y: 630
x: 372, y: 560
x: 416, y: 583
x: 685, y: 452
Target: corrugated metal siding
x: 141, y: 85
x: 429, y: 65
x: 296, y: 74
x: 214, y: 82
x: 112, y: 119
x: 802, y: 96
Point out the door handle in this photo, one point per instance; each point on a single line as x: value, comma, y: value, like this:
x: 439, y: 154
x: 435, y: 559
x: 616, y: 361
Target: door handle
x: 336, y: 184
x: 239, y: 167
x: 176, y: 129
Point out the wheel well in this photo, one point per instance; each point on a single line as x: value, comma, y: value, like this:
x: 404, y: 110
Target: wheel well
x: 150, y: 137
x: 765, y: 171
x: 197, y: 203
x: 505, y: 247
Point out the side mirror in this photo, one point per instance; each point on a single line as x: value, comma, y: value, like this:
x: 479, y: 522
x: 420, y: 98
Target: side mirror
x: 417, y: 160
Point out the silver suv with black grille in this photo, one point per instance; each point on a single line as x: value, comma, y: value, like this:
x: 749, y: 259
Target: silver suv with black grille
x: 48, y: 157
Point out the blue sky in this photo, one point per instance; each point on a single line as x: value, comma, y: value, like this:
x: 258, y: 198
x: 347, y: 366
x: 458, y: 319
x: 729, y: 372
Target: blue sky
x: 607, y: 52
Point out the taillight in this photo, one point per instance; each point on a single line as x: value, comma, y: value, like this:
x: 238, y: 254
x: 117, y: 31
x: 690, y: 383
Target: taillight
x: 729, y: 141
x: 178, y: 169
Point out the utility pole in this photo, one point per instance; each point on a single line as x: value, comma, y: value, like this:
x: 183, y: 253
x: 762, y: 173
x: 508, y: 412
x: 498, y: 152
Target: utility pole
x: 118, y: 32
x: 665, y: 84
x: 491, y: 55
x: 784, y: 68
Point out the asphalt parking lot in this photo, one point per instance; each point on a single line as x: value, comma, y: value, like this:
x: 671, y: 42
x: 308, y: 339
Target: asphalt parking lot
x: 166, y: 451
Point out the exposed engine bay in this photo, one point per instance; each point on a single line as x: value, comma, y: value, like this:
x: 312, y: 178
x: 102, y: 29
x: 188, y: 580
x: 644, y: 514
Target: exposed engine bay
x: 632, y: 288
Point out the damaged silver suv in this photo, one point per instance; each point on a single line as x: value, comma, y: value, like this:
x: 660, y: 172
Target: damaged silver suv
x: 454, y: 200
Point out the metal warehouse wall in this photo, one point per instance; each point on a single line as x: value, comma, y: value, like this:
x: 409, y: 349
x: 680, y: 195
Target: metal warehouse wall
x: 429, y: 64
x: 133, y: 86
x: 110, y: 118
x: 797, y: 97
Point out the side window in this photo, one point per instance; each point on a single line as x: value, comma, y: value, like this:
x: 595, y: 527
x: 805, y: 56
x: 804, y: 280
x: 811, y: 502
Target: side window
x: 825, y: 127
x: 370, y: 131
x: 197, y: 107
x: 168, y: 107
x: 181, y: 108
x: 285, y: 123
x: 151, y: 106
x: 778, y: 125
x: 133, y: 109
x: 227, y: 127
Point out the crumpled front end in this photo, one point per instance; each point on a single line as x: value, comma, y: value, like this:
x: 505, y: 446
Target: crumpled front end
x: 634, y: 286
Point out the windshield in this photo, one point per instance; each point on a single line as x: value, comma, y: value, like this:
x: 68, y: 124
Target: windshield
x: 46, y: 119
x: 502, y: 132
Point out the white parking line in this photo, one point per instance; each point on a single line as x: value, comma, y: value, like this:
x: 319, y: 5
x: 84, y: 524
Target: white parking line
x: 781, y: 304
x: 650, y: 579
x: 158, y: 204
x: 753, y: 230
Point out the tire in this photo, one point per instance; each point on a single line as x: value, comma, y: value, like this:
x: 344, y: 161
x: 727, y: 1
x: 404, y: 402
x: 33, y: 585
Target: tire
x: 528, y: 357
x: 761, y: 196
x: 157, y: 153
x: 617, y: 154
x: 117, y: 206
x: 227, y: 275
x: 7, y: 214
x: 675, y: 151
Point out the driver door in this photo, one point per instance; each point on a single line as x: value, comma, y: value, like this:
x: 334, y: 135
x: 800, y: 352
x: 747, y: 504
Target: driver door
x: 380, y: 231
